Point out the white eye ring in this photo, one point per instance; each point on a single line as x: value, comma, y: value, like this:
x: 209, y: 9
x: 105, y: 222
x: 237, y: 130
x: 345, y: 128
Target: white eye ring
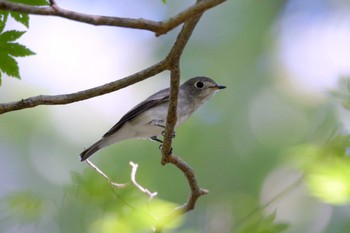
x: 199, y: 84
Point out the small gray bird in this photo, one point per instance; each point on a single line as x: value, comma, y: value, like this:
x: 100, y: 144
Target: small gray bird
x: 147, y: 119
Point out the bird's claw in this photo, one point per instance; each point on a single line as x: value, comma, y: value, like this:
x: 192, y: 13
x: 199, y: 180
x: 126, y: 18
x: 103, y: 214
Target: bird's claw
x: 172, y: 135
x: 163, y: 132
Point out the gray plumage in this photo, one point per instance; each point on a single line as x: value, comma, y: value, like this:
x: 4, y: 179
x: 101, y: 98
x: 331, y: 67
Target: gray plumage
x: 147, y: 119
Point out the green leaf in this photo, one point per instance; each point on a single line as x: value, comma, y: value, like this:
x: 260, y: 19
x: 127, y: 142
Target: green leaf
x: 9, y: 49
x: 32, y: 2
x: 9, y: 66
x: 13, y: 49
x: 18, y: 50
x: 3, y: 19
x: 10, y: 36
x: 21, y: 18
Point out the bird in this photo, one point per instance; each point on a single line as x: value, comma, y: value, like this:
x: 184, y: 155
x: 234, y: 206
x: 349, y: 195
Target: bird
x: 147, y: 119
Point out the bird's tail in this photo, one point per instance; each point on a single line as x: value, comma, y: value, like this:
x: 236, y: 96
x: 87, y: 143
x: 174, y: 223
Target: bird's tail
x: 91, y: 150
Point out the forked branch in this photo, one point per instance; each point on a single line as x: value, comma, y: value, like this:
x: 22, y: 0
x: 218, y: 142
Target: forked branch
x: 195, y: 193
x: 158, y: 27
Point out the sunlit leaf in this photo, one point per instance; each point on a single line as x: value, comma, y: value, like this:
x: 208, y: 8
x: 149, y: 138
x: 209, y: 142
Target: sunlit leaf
x: 160, y: 209
x: 110, y: 223
x: 331, y: 182
x: 140, y: 219
x: 326, y: 168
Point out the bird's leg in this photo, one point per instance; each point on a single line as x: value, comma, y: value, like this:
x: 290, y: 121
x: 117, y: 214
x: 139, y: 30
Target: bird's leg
x: 172, y: 135
x: 163, y: 132
x: 154, y: 138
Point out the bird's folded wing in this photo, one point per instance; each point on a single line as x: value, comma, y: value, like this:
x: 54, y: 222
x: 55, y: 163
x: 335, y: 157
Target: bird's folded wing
x: 151, y: 101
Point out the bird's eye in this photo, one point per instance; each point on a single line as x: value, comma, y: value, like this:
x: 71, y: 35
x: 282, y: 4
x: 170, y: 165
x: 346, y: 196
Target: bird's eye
x: 199, y: 84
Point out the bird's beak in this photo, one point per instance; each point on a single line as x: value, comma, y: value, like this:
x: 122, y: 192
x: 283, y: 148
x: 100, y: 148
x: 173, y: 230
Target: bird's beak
x: 220, y: 87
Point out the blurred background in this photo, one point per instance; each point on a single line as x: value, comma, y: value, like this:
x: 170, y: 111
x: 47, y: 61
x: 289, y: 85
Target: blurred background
x: 272, y: 148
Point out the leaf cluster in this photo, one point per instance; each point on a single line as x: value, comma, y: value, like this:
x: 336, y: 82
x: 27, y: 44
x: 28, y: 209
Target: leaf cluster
x: 9, y: 48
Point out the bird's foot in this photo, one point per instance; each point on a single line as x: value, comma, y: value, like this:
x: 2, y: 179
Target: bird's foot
x: 155, y: 139
x: 172, y: 136
x: 163, y: 132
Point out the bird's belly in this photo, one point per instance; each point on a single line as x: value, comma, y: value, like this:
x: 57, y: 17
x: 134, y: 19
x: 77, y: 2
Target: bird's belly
x: 152, y: 123
x: 147, y: 131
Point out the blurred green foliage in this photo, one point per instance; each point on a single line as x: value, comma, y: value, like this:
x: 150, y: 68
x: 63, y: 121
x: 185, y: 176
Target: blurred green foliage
x: 326, y: 169
x: 263, y: 224
x: 235, y: 144
x: 25, y: 206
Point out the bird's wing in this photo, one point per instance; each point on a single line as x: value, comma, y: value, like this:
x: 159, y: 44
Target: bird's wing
x: 153, y: 100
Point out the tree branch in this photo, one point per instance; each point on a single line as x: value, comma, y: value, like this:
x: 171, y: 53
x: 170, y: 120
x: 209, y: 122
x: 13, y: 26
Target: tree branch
x: 158, y: 27
x: 85, y: 94
x: 199, y: 8
x: 174, y: 63
x: 196, y: 191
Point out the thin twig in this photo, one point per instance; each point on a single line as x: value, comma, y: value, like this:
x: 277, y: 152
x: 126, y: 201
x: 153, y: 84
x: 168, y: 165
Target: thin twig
x: 133, y: 180
x: 114, y: 184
